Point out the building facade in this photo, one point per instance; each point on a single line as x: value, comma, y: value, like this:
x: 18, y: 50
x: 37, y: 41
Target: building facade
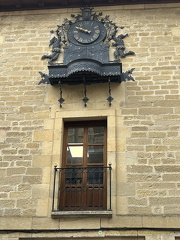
x: 116, y: 162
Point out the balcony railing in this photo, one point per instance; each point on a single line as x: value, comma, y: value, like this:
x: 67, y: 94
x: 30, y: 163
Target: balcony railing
x: 82, y: 189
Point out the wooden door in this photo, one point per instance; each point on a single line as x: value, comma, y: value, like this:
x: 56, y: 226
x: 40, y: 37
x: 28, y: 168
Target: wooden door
x: 83, y: 176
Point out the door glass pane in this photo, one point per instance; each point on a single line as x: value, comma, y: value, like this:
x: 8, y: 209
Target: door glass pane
x: 75, y: 135
x: 73, y: 175
x: 95, y: 154
x: 74, y: 155
x: 96, y: 135
x: 95, y: 175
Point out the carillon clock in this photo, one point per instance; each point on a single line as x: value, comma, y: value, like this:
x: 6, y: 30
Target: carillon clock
x: 86, y: 40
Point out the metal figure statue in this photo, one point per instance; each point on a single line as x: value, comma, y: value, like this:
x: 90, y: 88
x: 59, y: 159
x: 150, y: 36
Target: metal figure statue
x: 120, y: 48
x: 56, y: 44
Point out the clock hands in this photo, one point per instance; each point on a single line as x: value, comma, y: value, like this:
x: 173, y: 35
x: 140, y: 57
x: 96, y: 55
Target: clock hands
x: 86, y: 32
x: 83, y: 30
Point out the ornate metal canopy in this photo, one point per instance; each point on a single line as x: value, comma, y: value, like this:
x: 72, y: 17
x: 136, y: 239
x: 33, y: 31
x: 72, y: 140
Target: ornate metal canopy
x: 86, y: 39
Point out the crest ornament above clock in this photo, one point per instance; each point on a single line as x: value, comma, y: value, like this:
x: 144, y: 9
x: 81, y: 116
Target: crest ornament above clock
x: 86, y: 40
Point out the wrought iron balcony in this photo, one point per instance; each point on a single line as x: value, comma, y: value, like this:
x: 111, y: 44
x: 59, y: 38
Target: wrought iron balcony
x: 82, y: 189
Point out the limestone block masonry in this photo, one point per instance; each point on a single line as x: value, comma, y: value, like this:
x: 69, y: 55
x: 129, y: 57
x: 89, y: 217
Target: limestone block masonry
x: 143, y: 143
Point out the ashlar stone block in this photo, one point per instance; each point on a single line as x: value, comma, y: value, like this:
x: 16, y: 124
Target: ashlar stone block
x: 76, y: 223
x: 10, y: 222
x: 40, y: 136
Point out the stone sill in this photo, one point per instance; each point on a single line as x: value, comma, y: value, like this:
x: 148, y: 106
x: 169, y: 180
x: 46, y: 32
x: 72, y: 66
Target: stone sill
x: 101, y: 214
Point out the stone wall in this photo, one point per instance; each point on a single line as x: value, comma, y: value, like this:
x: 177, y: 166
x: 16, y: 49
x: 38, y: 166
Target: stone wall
x: 143, y: 123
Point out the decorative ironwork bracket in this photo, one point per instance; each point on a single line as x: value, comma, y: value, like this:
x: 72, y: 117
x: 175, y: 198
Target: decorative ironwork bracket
x: 127, y: 75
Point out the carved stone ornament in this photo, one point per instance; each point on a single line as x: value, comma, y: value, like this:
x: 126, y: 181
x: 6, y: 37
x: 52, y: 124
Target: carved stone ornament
x: 86, y: 40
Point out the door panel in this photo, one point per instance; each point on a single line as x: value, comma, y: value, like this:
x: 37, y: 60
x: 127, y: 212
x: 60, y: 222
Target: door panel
x: 95, y: 198
x: 72, y: 198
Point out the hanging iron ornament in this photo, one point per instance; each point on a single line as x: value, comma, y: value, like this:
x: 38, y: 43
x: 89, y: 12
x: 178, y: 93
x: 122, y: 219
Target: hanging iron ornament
x: 110, y: 98
x: 85, y: 99
x: 61, y: 100
x: 86, y: 40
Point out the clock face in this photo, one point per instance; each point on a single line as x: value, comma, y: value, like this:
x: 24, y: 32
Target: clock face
x: 86, y: 32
